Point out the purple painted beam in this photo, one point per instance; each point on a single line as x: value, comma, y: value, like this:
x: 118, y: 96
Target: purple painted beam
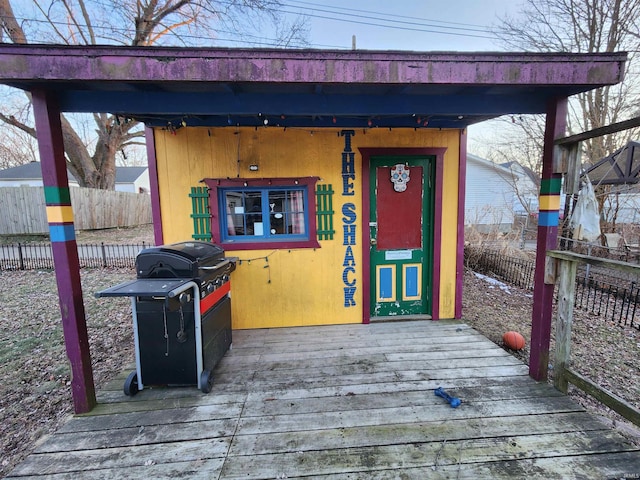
x: 20, y: 63
x: 65, y: 252
x: 556, y: 124
x: 152, y: 162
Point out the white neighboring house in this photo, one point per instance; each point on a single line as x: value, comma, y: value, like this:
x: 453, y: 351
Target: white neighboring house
x: 494, y: 194
x: 27, y: 175
x: 527, y: 189
x: 128, y: 179
x: 132, y: 179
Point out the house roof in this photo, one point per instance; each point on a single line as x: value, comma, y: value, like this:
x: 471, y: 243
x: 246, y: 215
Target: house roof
x: 522, y: 170
x: 32, y: 171
x: 310, y: 88
x: 129, y: 174
x: 28, y: 171
x: 497, y: 168
x: 620, y: 168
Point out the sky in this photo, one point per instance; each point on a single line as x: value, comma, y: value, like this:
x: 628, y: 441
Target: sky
x: 419, y: 25
x: 453, y: 25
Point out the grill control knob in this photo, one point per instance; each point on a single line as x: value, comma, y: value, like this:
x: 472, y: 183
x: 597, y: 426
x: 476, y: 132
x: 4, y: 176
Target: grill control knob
x: 225, y: 278
x: 210, y: 287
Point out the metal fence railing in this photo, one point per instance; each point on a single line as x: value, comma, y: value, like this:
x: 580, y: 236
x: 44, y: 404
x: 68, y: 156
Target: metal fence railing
x: 614, y: 298
x: 515, y: 271
x: 33, y: 256
x: 618, y: 303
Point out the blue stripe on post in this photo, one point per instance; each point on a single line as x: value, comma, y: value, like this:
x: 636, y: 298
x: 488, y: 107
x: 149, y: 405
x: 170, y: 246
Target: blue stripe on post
x: 62, y: 233
x: 411, y: 282
x: 386, y: 283
x: 548, y: 219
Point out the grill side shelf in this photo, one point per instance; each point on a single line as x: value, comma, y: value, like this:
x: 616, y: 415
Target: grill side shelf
x: 144, y: 287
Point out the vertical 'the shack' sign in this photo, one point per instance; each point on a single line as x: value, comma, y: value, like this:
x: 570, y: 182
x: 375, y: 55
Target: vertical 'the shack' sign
x: 349, y: 218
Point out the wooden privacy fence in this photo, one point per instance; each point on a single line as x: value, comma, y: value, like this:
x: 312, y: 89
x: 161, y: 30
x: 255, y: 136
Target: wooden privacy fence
x: 24, y: 210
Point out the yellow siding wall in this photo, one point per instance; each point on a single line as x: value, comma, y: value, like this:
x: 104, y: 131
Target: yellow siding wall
x: 273, y: 288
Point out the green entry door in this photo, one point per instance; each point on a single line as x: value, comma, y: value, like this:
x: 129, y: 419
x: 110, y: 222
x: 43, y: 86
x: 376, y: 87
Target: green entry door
x: 400, y: 229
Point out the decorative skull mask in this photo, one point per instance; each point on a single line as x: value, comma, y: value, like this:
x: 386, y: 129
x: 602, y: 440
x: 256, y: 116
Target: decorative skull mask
x: 400, y: 177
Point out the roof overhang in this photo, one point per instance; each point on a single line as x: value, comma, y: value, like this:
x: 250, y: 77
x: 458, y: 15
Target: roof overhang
x: 622, y: 167
x: 309, y: 88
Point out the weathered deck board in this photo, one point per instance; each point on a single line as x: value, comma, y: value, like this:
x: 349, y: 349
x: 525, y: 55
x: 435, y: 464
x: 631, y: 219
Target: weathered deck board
x: 412, y: 414
x: 122, y: 457
x: 403, y: 433
x: 596, y: 466
x: 193, y: 470
x: 419, y: 454
x: 344, y: 401
x: 152, y: 417
x: 136, y: 436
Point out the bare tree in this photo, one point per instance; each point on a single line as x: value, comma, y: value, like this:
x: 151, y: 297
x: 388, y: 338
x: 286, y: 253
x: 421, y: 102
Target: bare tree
x: 584, y: 26
x: 16, y: 150
x: 137, y: 23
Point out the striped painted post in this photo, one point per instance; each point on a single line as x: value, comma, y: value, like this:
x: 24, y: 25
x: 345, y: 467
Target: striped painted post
x: 64, y: 248
x: 548, y: 217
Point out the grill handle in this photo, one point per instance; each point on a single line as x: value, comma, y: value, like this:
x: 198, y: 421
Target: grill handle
x: 224, y: 263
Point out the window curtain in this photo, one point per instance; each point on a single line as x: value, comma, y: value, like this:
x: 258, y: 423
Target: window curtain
x: 231, y: 229
x: 297, y: 212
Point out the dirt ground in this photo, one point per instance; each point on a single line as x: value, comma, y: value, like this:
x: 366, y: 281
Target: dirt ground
x: 35, y: 397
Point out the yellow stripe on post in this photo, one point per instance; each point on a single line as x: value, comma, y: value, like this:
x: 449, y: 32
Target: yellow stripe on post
x: 60, y: 214
x: 549, y: 202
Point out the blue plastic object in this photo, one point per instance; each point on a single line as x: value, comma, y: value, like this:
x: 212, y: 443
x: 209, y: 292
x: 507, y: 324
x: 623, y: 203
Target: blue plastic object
x: 453, y: 401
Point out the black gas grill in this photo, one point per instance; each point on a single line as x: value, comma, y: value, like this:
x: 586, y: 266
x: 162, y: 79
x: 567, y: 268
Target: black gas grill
x: 181, y: 314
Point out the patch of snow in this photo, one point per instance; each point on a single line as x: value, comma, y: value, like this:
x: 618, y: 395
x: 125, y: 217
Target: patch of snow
x: 494, y: 283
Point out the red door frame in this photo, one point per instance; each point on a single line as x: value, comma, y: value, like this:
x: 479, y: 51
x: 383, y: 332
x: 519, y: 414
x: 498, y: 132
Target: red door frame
x: 367, y: 153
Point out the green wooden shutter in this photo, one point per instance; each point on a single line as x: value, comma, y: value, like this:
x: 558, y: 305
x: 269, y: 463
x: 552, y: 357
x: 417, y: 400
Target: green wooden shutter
x: 201, y: 214
x: 324, y: 212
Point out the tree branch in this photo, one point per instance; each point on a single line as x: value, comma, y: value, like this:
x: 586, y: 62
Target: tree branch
x: 87, y: 20
x: 154, y: 38
x: 14, y: 122
x: 51, y: 22
x: 72, y: 18
x: 9, y: 23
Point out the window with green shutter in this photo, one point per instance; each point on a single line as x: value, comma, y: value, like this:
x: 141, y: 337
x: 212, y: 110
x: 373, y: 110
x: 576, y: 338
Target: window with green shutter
x: 324, y: 212
x: 201, y: 215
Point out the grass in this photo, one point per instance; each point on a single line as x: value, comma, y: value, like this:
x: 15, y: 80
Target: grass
x: 35, y: 395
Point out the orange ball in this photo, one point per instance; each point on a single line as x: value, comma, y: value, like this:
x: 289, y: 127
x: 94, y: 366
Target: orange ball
x: 513, y: 340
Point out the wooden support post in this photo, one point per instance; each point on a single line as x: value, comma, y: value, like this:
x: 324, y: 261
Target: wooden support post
x: 564, y: 319
x: 64, y: 248
x: 571, y: 155
x: 574, y: 164
x: 153, y: 186
x: 462, y: 175
x: 547, y: 240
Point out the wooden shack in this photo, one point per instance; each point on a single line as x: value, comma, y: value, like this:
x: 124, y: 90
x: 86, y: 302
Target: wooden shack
x: 336, y: 177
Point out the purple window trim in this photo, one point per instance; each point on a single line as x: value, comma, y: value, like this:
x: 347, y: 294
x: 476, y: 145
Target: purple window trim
x: 309, y: 182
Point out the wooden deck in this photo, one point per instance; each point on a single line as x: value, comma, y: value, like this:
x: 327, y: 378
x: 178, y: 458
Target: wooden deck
x: 343, y: 402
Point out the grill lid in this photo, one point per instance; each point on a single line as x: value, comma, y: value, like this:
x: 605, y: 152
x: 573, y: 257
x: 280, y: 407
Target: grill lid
x: 179, y: 260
